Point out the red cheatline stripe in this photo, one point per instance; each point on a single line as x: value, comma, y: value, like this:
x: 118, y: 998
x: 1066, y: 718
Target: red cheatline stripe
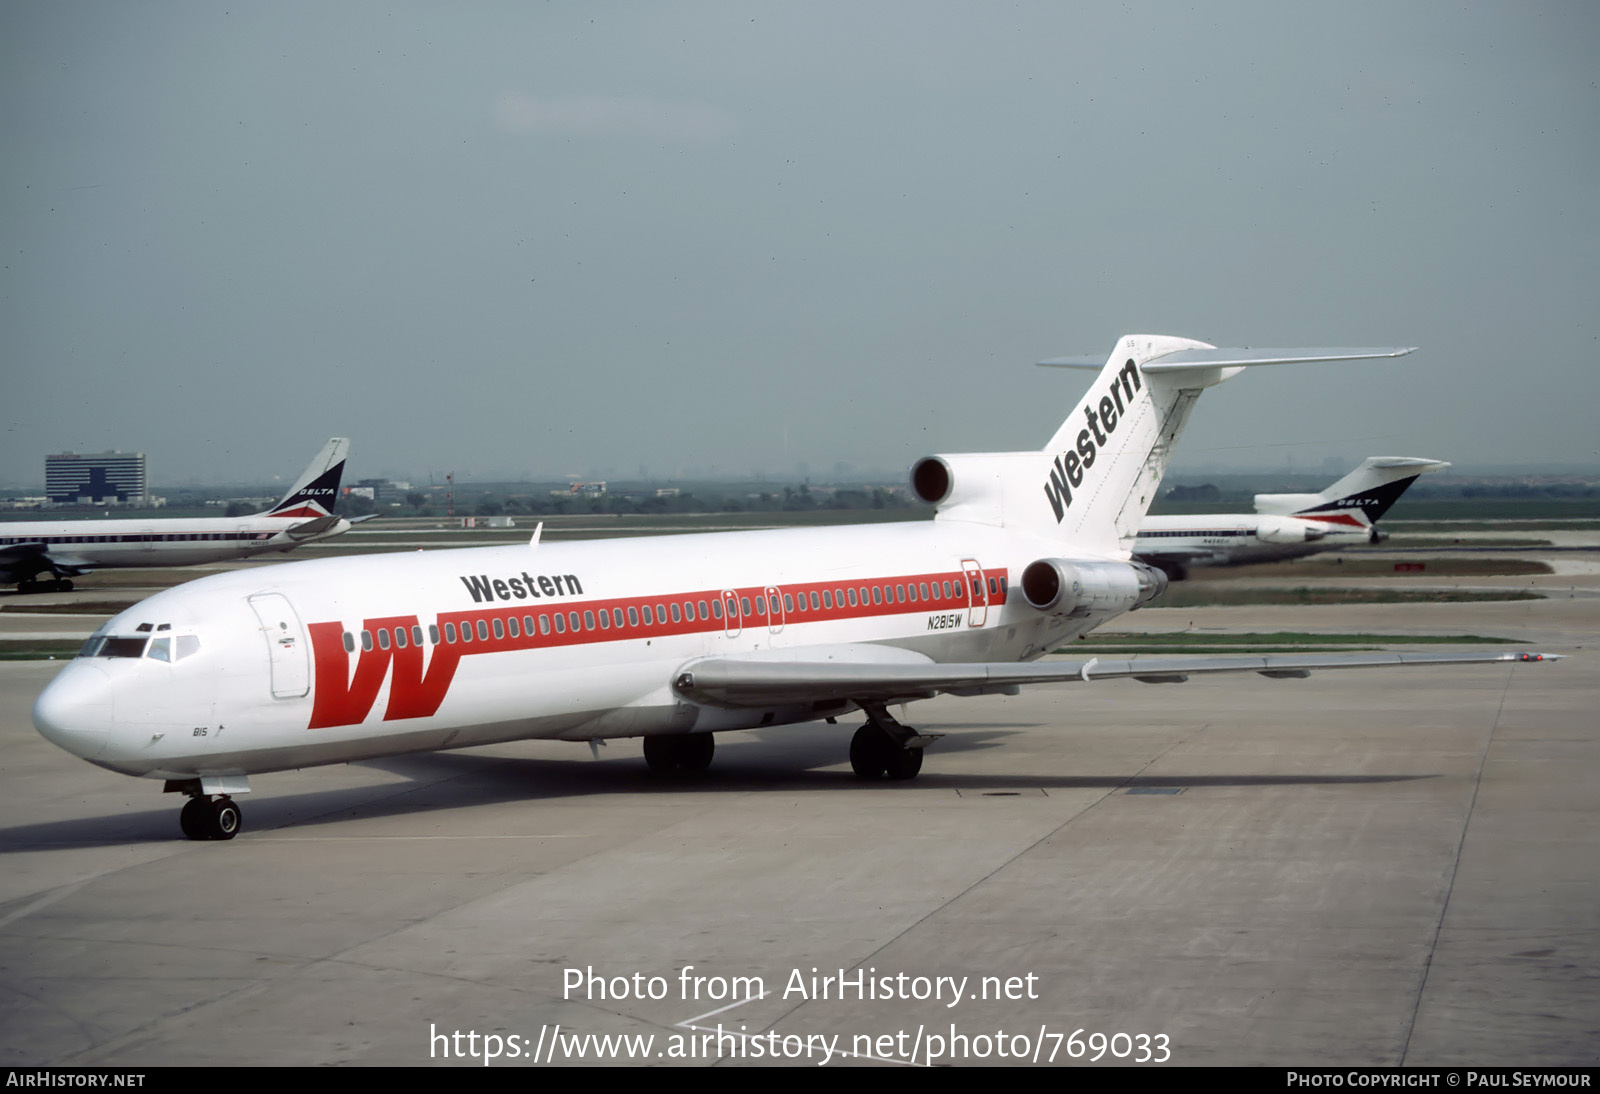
x: 466, y: 621
x: 1332, y: 518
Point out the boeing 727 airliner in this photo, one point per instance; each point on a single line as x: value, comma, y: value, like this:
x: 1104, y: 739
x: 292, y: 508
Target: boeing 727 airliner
x: 1283, y: 525
x: 670, y: 638
x: 70, y: 548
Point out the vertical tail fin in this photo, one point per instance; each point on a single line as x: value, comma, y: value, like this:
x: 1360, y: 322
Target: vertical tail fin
x: 1099, y: 473
x: 1094, y: 482
x: 316, y: 491
x: 1108, y: 457
x: 1368, y: 491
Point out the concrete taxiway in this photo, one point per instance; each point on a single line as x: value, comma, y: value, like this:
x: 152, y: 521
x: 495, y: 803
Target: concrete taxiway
x: 1396, y: 867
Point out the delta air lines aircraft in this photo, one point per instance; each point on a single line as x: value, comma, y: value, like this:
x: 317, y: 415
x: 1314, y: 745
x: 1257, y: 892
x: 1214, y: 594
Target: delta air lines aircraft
x: 70, y: 548
x: 671, y: 638
x: 1284, y: 525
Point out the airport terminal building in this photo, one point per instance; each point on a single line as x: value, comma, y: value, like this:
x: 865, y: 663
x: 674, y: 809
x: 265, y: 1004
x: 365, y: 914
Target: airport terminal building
x: 105, y: 478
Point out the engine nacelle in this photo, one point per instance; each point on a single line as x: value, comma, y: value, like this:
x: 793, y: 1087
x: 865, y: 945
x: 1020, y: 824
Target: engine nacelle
x: 1288, y: 530
x: 982, y: 487
x: 1080, y: 586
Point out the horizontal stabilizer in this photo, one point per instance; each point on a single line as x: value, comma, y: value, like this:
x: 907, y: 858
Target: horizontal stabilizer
x: 1185, y: 359
x: 1234, y: 358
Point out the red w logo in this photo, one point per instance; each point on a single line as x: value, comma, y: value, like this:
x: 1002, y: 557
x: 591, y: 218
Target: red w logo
x: 341, y: 700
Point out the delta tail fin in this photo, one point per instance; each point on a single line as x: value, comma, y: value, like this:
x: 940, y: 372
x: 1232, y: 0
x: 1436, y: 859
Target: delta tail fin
x: 316, y: 491
x: 1363, y: 496
x: 1094, y: 482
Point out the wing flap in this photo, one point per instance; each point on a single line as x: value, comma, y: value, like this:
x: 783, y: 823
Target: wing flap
x: 753, y: 682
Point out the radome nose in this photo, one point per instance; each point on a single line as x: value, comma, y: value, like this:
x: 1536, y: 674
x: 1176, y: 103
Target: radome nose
x: 74, y: 710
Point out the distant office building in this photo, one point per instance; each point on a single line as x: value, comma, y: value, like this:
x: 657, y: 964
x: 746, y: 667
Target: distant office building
x: 98, y: 479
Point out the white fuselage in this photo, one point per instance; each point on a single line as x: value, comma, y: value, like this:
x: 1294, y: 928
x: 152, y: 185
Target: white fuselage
x: 171, y: 541
x: 320, y: 662
x: 1225, y: 539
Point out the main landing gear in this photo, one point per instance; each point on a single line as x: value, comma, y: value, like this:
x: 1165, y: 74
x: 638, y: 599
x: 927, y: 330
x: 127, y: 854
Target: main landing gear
x: 205, y: 817
x: 679, y: 753
x: 885, y: 747
x: 54, y: 585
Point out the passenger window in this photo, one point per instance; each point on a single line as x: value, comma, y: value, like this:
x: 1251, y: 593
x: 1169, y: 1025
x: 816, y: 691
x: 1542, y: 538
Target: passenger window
x: 827, y: 598
x: 676, y: 615
x: 877, y: 595
x: 649, y: 616
x: 160, y: 649
x: 788, y: 602
x: 466, y: 632
x: 450, y: 633
x: 483, y: 631
x: 716, y: 609
x: 947, y: 592
x: 992, y: 590
x: 366, y: 640
x: 349, y: 642
x: 527, y: 625
x: 399, y: 638
x: 499, y: 628
x: 703, y: 614
x: 661, y: 613
x: 544, y: 623
x: 633, y: 616
x: 761, y: 606
x: 605, y: 620
x: 416, y: 635
x: 188, y: 646
x: 572, y: 622
x: 852, y: 594
x: 561, y: 623
x: 616, y: 616
x: 744, y: 605
x: 433, y: 634
x: 513, y: 627
x: 588, y: 621
x: 924, y: 588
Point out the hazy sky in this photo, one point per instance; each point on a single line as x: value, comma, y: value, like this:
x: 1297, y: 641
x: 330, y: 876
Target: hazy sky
x: 538, y: 239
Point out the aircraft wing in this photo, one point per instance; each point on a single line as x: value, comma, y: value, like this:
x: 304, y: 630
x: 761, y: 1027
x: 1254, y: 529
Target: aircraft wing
x: 754, y: 682
x: 311, y: 529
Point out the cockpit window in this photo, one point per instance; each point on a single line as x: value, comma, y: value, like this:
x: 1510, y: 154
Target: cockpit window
x: 160, y: 649
x: 188, y: 644
x: 91, y: 647
x: 122, y: 647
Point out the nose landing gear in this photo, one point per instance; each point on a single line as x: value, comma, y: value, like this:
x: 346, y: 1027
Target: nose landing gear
x: 208, y: 818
